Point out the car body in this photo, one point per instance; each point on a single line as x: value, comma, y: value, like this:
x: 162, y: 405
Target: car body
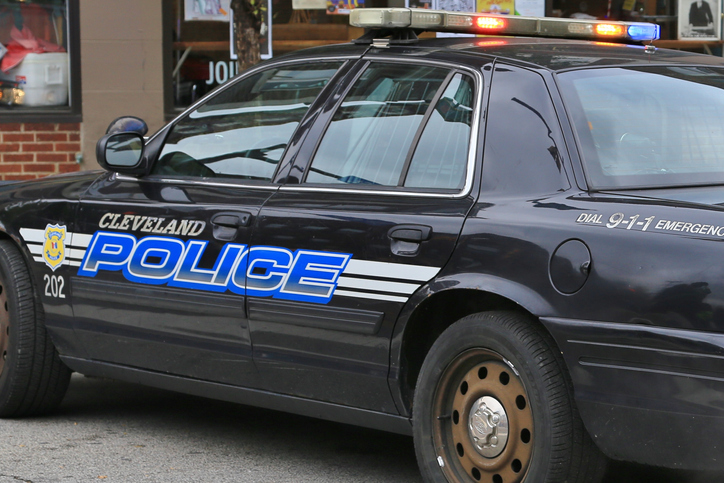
x: 246, y: 256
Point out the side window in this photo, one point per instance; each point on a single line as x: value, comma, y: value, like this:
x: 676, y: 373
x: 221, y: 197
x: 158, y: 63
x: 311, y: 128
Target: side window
x: 441, y: 154
x: 242, y: 132
x: 370, y: 135
x: 524, y: 147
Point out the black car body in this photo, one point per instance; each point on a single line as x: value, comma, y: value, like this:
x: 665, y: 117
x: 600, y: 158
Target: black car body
x: 322, y: 293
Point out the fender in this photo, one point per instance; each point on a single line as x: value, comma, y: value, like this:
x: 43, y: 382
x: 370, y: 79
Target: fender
x: 523, y: 296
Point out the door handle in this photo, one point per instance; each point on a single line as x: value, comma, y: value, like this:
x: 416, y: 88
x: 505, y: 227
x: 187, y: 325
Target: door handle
x: 231, y: 220
x: 226, y: 225
x: 410, y: 233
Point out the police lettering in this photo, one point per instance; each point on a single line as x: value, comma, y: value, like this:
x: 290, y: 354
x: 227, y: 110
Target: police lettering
x: 151, y: 224
x: 261, y: 271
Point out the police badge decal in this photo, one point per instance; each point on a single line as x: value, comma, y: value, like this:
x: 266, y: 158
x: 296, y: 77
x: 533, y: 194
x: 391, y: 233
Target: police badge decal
x: 54, y: 247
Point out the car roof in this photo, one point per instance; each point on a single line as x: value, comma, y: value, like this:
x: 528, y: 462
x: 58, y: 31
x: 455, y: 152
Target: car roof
x: 549, y: 53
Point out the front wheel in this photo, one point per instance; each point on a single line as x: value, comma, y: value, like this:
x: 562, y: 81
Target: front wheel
x: 493, y: 404
x: 33, y: 379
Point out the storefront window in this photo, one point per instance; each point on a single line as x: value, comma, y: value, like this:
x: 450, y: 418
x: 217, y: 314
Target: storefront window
x: 37, y: 64
x: 200, y: 53
x: 202, y: 50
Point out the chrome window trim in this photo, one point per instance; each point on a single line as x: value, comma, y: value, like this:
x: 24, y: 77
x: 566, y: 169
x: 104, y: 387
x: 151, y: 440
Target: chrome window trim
x: 194, y: 182
x: 472, y: 148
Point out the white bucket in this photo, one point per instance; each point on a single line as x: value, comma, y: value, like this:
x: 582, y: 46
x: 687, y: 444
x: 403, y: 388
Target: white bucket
x: 43, y: 77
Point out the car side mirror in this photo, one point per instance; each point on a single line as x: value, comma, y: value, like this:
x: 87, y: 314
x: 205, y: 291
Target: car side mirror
x: 122, y: 152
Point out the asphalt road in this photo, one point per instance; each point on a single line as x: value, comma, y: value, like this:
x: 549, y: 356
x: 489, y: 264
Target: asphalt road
x: 117, y: 432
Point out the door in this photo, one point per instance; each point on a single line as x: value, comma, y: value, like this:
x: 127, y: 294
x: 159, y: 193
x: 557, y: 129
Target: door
x: 380, y: 205
x: 162, y: 281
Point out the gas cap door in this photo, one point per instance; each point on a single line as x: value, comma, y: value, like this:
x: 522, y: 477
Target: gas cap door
x: 570, y: 266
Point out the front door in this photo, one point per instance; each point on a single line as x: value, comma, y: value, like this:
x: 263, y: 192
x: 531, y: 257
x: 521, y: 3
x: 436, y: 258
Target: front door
x: 162, y: 281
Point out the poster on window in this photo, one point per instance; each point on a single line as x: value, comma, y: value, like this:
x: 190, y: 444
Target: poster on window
x: 343, y: 7
x: 215, y: 10
x: 501, y: 7
x: 265, y: 42
x: 530, y: 8
x: 699, y: 20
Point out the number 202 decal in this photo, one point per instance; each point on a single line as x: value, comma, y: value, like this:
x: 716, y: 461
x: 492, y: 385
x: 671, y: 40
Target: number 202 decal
x: 54, y: 286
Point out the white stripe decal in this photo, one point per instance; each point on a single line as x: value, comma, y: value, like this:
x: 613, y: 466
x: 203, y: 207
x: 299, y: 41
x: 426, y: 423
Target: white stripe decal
x: 36, y: 249
x: 80, y: 240
x: 378, y: 285
x: 418, y: 273
x: 33, y: 235
x: 373, y: 296
x: 75, y: 253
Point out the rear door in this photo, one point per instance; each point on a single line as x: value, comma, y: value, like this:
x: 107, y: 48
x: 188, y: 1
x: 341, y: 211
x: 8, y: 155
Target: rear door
x: 162, y: 282
x: 382, y: 199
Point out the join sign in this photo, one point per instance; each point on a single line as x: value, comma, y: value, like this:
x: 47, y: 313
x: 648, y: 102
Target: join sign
x: 259, y: 271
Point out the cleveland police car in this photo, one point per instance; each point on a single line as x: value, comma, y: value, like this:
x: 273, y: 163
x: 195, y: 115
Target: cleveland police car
x: 505, y: 246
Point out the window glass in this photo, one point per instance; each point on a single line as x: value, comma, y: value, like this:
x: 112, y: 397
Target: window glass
x: 524, y: 147
x: 649, y: 126
x: 242, y: 132
x: 370, y: 135
x: 34, y: 62
x: 441, y: 154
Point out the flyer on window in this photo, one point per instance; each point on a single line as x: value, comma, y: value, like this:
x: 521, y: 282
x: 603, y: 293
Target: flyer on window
x: 530, y: 8
x: 343, y: 7
x: 501, y: 7
x: 214, y: 10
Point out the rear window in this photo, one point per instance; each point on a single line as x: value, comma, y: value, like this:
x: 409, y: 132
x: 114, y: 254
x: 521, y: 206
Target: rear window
x: 641, y: 127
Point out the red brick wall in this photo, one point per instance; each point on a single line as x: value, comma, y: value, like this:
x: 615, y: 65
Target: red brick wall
x: 34, y: 150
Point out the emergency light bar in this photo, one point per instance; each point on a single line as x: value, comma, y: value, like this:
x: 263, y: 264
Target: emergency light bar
x: 490, y: 24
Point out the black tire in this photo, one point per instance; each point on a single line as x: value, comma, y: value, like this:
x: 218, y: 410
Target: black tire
x: 33, y: 379
x: 483, y: 370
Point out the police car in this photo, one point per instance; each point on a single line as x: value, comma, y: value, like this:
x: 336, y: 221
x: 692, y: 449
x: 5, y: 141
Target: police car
x: 503, y: 245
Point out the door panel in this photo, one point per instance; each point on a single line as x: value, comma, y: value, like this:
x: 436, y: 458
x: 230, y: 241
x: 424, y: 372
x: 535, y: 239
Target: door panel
x: 177, y: 304
x: 355, y: 201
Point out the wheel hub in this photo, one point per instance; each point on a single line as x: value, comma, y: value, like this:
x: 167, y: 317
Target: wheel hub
x: 484, y: 422
x: 488, y: 426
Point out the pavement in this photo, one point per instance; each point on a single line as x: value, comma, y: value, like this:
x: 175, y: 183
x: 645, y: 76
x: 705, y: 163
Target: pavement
x: 117, y: 432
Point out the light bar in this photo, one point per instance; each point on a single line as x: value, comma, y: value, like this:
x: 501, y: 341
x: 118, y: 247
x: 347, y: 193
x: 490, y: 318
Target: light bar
x: 483, y: 23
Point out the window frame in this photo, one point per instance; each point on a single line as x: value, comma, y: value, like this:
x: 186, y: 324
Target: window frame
x: 473, y: 144
x: 342, y: 72
x: 64, y: 114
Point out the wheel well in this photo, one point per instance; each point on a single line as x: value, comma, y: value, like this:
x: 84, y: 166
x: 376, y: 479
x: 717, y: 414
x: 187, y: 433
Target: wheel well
x: 431, y: 319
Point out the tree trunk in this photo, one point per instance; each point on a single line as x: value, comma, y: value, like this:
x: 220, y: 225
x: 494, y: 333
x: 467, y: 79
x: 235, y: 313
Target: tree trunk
x: 247, y: 25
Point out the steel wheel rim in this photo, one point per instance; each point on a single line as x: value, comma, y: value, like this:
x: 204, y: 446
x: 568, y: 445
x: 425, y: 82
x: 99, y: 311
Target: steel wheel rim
x: 476, y: 375
x: 4, y: 326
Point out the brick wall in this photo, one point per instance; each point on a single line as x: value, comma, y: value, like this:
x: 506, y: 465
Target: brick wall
x: 34, y: 150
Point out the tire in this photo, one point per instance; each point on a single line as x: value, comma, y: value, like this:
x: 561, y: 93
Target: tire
x: 33, y: 379
x: 492, y: 370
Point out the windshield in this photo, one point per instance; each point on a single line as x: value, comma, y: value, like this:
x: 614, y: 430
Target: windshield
x: 642, y: 127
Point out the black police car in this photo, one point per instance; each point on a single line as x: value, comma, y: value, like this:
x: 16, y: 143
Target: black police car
x: 504, y: 246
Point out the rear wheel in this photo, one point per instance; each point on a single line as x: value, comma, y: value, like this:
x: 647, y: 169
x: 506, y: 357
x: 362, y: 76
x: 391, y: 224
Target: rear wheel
x: 493, y: 404
x: 33, y: 379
